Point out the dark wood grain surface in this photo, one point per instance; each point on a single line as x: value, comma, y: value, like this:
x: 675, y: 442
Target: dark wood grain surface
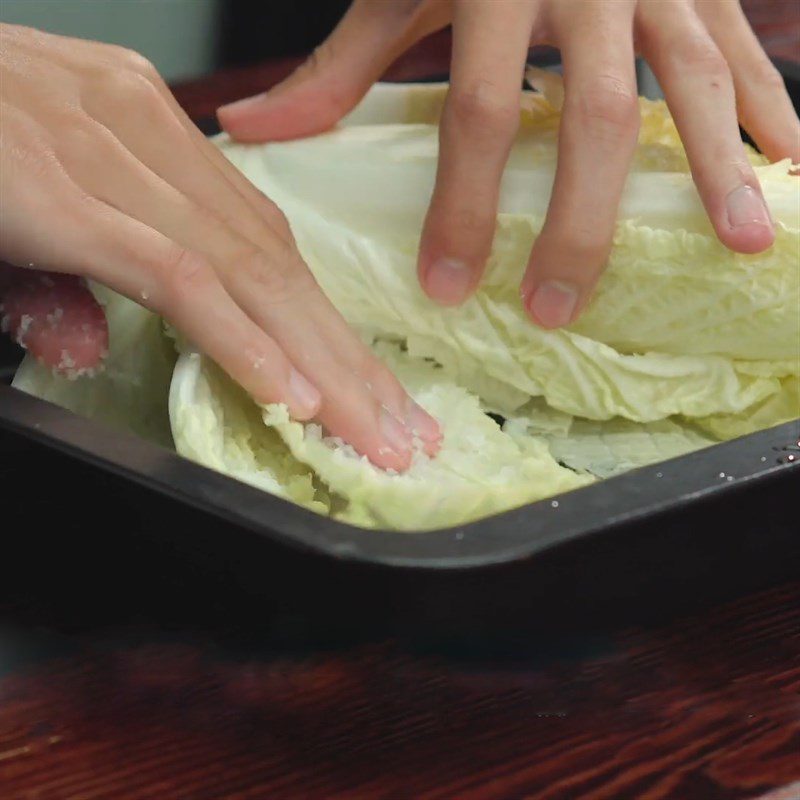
x: 123, y: 679
x: 705, y: 708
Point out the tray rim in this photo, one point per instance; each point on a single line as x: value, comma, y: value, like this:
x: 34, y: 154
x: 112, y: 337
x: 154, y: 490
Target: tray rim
x: 510, y: 536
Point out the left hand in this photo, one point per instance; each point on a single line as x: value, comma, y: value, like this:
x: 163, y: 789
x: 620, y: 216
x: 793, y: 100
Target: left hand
x: 105, y: 178
x: 707, y: 59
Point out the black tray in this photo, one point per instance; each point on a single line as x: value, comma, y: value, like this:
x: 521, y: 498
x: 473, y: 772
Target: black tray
x: 656, y: 540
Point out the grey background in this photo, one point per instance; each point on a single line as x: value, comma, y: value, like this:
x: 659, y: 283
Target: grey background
x: 183, y: 37
x: 179, y: 36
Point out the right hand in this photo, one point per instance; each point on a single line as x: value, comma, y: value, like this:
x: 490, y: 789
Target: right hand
x: 105, y: 177
x: 703, y: 52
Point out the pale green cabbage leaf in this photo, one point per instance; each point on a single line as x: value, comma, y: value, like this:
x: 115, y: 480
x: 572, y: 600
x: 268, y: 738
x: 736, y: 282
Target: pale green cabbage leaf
x: 215, y: 423
x: 676, y: 320
x: 478, y: 471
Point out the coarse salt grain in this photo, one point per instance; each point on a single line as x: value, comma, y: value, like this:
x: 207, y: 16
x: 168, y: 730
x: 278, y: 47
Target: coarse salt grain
x: 66, y: 361
x: 54, y: 317
x: 22, y: 331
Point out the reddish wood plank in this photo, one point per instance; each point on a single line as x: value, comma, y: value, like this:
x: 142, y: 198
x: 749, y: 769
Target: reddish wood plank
x: 706, y: 709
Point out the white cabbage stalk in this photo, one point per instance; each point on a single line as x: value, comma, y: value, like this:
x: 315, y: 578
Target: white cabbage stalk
x: 605, y: 448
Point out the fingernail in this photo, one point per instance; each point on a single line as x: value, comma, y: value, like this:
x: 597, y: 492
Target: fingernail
x: 553, y: 303
x: 305, y: 396
x: 396, y: 435
x: 448, y: 281
x: 244, y: 104
x: 746, y: 207
x: 423, y: 424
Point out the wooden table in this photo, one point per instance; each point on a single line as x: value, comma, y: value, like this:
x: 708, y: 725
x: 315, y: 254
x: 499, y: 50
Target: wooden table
x: 181, y: 689
x: 139, y: 677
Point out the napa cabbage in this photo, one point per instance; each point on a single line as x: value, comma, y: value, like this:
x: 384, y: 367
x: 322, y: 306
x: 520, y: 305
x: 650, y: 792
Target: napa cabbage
x: 683, y: 345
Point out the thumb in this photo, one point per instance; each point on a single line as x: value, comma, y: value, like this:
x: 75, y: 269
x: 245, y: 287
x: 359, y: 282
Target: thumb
x: 53, y: 316
x: 370, y: 36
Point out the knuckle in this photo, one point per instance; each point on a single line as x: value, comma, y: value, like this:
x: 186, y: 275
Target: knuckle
x: 278, y: 278
x: 766, y: 76
x: 608, y: 105
x: 588, y: 249
x: 83, y: 140
x: 340, y: 93
x: 134, y: 61
x: 123, y: 87
x: 585, y: 245
x: 181, y: 273
x: 733, y: 157
x: 481, y: 110
x: 699, y: 55
x: 252, y: 265
x: 473, y: 221
x: 84, y: 147
x: 279, y: 220
x: 459, y: 228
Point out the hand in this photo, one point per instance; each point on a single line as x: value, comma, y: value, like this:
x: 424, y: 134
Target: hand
x: 710, y: 65
x: 105, y: 177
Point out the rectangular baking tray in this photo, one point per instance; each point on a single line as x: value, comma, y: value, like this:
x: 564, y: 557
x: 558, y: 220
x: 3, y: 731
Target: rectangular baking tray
x: 661, y: 537
x: 731, y: 470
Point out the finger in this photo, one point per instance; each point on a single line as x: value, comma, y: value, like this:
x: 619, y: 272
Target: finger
x: 55, y: 317
x: 764, y: 106
x: 354, y: 382
x: 479, y: 120
x: 270, y: 284
x: 182, y: 286
x: 329, y: 84
x: 597, y: 139
x: 699, y: 90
